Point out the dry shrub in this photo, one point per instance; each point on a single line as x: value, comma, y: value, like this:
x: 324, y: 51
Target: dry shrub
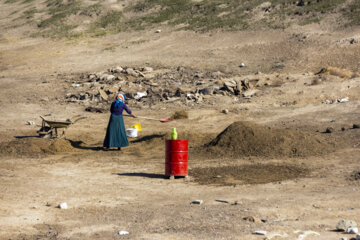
x: 181, y: 114
x: 345, y: 74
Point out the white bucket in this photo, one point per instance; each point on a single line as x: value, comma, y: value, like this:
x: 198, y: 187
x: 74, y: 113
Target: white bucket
x: 131, y: 132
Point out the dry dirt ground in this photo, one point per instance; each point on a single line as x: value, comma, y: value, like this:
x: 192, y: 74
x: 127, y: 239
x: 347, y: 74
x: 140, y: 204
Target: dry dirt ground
x: 291, y: 197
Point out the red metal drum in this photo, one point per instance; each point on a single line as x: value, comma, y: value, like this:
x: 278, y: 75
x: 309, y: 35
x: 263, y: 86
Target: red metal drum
x: 176, y: 157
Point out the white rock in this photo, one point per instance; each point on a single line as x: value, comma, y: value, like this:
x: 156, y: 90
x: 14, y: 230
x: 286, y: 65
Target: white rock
x: 225, y: 111
x: 148, y: 69
x: 63, y: 205
x: 158, y: 31
x: 343, y: 225
x: 242, y: 65
x: 304, y: 234
x: 342, y: 100
x: 352, y: 230
x: 118, y: 69
x: 197, y: 202
x: 123, y: 232
x: 260, y: 232
x: 110, y: 77
x: 140, y: 95
x: 30, y: 123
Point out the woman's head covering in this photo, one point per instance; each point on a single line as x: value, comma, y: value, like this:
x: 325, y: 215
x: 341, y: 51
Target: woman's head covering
x: 120, y: 99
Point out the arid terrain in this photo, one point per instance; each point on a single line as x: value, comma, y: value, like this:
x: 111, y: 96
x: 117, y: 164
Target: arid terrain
x: 272, y: 115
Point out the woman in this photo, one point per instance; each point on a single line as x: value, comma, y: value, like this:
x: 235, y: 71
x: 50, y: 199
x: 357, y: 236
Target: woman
x: 115, y: 133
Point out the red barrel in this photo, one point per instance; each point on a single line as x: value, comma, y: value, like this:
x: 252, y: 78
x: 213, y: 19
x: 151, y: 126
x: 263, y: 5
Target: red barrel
x: 176, y: 157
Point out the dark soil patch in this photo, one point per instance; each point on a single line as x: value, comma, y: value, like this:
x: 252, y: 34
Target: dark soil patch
x: 247, y: 174
x: 249, y: 139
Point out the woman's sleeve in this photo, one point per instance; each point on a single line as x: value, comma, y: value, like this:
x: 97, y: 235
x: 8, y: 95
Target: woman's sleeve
x: 127, y: 109
x: 112, y: 107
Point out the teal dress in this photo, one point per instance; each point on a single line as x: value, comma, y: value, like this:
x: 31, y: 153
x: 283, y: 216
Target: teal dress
x: 115, y: 133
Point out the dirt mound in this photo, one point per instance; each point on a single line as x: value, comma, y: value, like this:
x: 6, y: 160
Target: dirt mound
x: 247, y: 174
x: 249, y: 139
x: 182, y: 114
x: 35, y: 146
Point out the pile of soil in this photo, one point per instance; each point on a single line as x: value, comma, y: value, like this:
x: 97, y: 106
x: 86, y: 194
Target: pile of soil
x: 35, y: 146
x: 249, y: 139
x: 247, y: 174
x: 180, y: 115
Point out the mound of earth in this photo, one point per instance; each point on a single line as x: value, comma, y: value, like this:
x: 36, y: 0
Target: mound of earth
x: 35, y: 146
x: 249, y: 139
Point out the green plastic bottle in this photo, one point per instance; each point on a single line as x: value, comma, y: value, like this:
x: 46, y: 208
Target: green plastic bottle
x: 174, y: 134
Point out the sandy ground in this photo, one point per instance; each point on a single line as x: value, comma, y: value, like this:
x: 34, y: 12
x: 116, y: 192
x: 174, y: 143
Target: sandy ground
x: 112, y: 191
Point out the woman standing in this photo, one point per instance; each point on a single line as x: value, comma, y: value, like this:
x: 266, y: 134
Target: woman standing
x: 115, y: 133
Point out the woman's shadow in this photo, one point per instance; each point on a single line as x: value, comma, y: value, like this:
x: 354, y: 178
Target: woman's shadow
x: 80, y: 145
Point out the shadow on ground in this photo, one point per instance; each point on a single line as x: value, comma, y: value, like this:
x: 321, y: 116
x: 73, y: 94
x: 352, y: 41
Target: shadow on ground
x: 147, y: 175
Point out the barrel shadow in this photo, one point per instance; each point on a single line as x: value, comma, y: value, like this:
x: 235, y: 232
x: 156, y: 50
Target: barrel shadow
x: 147, y: 175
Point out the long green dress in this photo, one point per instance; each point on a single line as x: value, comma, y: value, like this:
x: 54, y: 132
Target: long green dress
x: 115, y: 133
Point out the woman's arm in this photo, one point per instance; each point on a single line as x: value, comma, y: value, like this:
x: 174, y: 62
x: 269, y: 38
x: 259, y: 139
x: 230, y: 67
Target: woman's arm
x: 129, y: 111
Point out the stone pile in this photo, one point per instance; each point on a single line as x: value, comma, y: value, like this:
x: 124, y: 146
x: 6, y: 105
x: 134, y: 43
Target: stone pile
x: 150, y: 86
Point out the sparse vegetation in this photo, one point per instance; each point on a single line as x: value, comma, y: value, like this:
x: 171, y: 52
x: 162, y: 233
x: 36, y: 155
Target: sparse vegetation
x: 30, y: 13
x: 110, y: 19
x: 200, y: 16
x: 353, y: 13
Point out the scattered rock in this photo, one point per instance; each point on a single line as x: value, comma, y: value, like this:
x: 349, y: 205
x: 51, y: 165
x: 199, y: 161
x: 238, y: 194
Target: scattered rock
x: 103, y: 94
x: 225, y: 111
x: 197, y: 202
x: 275, y: 235
x: 249, y: 93
x: 329, y: 130
x: 30, y: 123
x: 304, y: 234
x: 131, y: 72
x: 260, y: 232
x: 63, y: 205
x: 147, y: 69
x: 252, y: 219
x: 140, y: 95
x: 158, y: 31
x: 352, y: 230
x: 355, y: 125
x: 342, y: 100
x: 207, y: 91
x: 242, y: 65
x: 123, y: 232
x: 117, y: 69
x: 343, y: 225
